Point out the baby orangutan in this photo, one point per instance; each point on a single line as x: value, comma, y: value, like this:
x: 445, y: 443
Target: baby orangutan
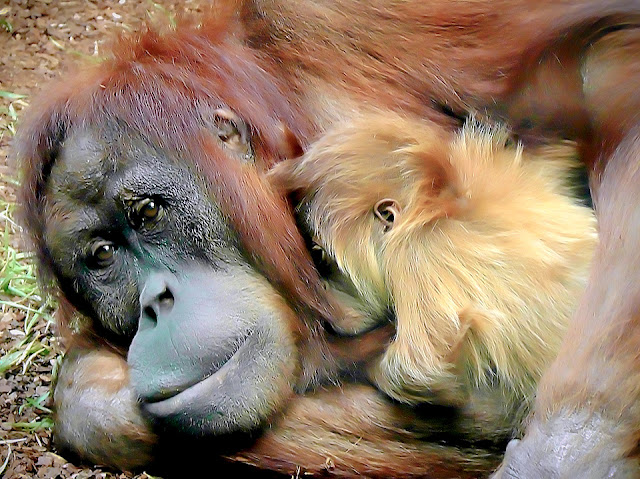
x: 477, y: 248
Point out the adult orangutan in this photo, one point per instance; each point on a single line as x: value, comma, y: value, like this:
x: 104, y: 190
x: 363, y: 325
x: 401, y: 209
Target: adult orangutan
x: 143, y: 195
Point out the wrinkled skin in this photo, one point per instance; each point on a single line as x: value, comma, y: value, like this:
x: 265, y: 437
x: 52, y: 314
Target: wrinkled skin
x: 136, y: 259
x: 545, y: 448
x: 197, y: 366
x: 102, y: 144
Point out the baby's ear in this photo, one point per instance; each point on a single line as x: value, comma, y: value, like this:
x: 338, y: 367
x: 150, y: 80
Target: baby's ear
x: 387, y: 211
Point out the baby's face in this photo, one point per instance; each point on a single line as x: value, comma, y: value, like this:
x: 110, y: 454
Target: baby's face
x: 342, y: 265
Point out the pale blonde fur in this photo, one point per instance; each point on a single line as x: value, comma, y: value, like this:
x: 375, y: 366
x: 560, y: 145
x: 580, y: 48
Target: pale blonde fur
x: 483, y: 265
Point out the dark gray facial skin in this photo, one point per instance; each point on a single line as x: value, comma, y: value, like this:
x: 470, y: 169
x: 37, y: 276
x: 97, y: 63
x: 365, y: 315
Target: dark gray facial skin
x: 140, y: 246
x: 225, y: 352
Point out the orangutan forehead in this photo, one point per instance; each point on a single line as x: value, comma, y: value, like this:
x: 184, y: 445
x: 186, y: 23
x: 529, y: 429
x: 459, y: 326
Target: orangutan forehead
x: 91, y: 158
x: 83, y: 166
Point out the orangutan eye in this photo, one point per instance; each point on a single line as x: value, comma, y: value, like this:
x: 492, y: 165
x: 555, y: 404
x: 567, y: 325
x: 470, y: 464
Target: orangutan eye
x: 149, y: 209
x: 318, y: 254
x: 144, y: 212
x: 102, y: 254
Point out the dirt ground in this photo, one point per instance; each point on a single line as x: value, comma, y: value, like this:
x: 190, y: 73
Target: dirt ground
x: 38, y: 39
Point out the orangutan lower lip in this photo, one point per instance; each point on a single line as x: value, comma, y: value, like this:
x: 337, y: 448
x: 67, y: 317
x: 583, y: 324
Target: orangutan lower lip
x: 176, y: 395
x: 167, y: 393
x: 180, y: 399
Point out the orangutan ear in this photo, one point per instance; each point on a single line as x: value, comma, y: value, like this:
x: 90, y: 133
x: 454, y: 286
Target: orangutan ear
x: 232, y: 131
x: 387, y: 211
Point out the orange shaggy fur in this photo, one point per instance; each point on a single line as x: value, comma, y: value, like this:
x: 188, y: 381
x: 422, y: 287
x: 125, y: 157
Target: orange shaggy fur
x: 482, y: 265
